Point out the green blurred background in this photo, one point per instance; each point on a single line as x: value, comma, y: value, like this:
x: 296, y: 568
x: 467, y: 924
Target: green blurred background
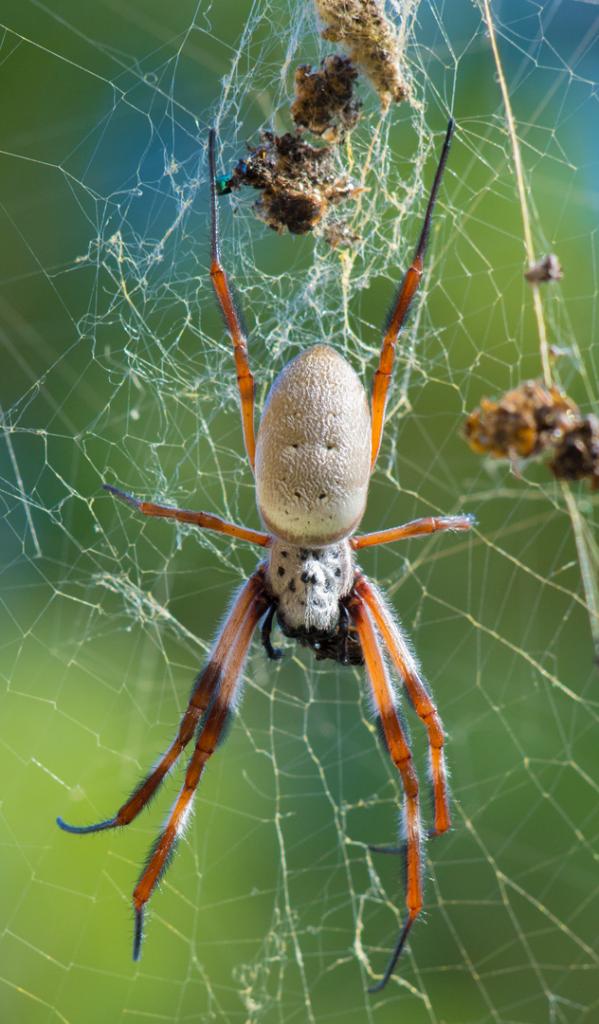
x: 115, y: 368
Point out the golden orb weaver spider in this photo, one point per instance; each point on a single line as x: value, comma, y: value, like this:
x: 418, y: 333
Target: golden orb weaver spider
x: 316, y: 448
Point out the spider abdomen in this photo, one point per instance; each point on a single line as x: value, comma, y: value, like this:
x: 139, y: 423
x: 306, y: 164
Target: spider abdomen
x: 313, y: 450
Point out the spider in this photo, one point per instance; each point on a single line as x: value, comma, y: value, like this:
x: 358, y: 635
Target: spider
x: 312, y: 459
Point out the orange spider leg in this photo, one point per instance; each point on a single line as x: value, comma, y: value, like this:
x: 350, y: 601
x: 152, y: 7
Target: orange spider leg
x: 201, y: 695
x: 245, y: 380
x: 416, y: 528
x: 419, y: 696
x: 400, y: 309
x: 204, y: 519
x: 399, y: 751
x: 216, y: 719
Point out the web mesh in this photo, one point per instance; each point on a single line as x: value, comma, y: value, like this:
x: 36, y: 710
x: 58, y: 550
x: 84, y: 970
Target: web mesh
x: 117, y: 369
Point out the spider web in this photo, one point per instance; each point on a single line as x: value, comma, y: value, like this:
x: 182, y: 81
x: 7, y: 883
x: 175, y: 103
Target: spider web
x: 116, y: 368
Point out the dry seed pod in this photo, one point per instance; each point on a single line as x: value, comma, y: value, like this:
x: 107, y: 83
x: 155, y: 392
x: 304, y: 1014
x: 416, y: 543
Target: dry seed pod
x: 524, y: 422
x: 324, y: 98
x: 363, y: 29
x: 546, y: 269
x: 298, y: 182
x: 577, y: 454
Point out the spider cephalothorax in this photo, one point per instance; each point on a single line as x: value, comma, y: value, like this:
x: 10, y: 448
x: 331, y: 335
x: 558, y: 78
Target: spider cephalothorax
x: 309, y: 588
x: 308, y: 584
x: 316, y: 448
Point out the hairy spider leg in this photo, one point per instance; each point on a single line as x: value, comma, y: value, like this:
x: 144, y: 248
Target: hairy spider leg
x: 419, y: 695
x: 401, y: 755
x: 204, y: 519
x: 245, y: 379
x: 217, y: 716
x: 204, y: 688
x: 415, y: 528
x: 400, y: 309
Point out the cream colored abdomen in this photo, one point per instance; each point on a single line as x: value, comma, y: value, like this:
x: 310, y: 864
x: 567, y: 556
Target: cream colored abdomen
x: 313, y: 450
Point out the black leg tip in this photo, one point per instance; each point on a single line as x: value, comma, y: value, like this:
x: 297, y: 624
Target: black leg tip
x: 80, y: 830
x: 138, y: 933
x: 374, y: 848
x: 377, y: 988
x: 128, y: 499
x: 273, y: 653
x: 403, y: 935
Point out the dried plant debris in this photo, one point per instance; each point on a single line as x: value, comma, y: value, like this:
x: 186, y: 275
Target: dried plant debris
x: 524, y: 422
x: 532, y: 419
x: 546, y: 269
x: 577, y: 454
x: 299, y: 182
x: 325, y: 103
x: 339, y: 234
x: 363, y: 29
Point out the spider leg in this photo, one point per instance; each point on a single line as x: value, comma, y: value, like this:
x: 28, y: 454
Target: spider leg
x: 245, y: 380
x: 399, y: 850
x: 400, y: 309
x: 401, y: 941
x: 274, y: 653
x: 399, y: 751
x: 204, y: 519
x: 419, y: 696
x: 416, y: 528
x: 206, y: 683
x: 344, y: 631
x: 219, y: 714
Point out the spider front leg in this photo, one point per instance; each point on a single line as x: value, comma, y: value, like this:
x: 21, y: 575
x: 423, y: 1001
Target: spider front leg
x: 401, y: 306
x: 182, y: 515
x: 415, y: 528
x: 201, y: 695
x: 401, y: 755
x: 245, y: 380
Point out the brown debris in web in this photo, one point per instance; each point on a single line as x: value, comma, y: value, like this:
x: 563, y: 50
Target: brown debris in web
x: 577, y: 455
x: 299, y: 182
x: 522, y: 423
x: 324, y: 98
x: 363, y: 29
x: 531, y: 419
x: 546, y: 269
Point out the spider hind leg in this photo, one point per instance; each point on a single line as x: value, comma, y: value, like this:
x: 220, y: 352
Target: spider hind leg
x: 396, y: 741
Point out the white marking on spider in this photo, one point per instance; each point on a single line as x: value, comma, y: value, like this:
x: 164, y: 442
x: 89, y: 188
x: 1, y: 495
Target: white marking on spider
x: 308, y: 583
